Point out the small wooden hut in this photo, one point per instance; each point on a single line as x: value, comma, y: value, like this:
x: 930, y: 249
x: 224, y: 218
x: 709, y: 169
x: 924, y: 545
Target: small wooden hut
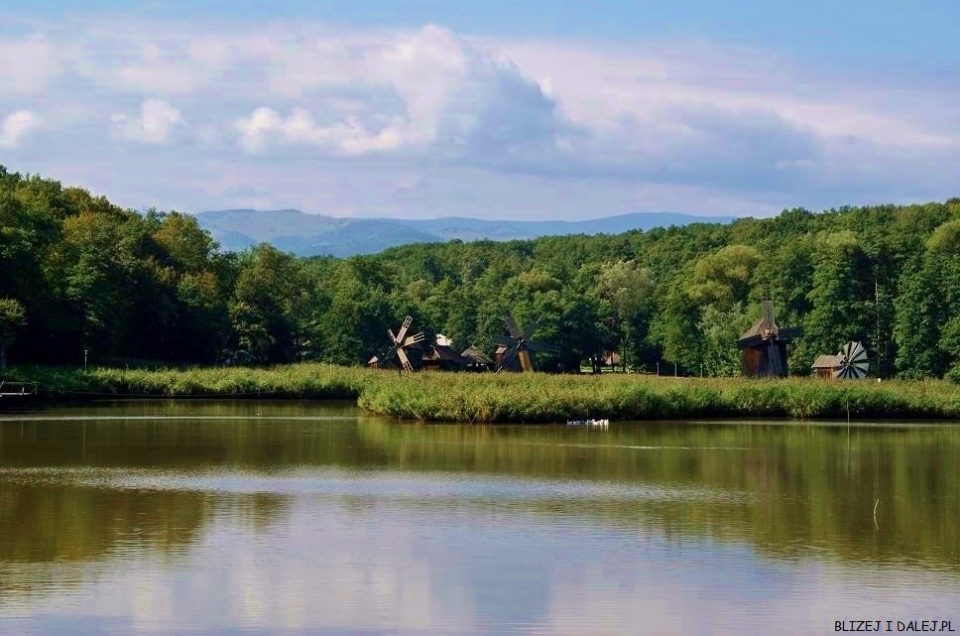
x: 442, y: 357
x: 827, y: 366
x: 477, y: 360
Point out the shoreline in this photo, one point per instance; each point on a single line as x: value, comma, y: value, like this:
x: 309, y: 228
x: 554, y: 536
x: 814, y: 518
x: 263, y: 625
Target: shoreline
x: 513, y: 398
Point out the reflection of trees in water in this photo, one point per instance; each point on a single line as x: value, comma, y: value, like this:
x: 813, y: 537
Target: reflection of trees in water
x: 785, y: 489
x: 62, y: 522
x: 262, y: 435
x: 59, y: 521
x: 61, y: 514
x: 807, y: 487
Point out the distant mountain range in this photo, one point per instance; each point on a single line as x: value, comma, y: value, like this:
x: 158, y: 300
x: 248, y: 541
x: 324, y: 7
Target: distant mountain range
x: 315, y: 234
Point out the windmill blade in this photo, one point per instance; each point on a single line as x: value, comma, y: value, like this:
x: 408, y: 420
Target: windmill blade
x: 538, y: 345
x: 845, y: 351
x: 403, y: 329
x: 859, y: 362
x: 385, y: 358
x: 750, y: 341
x: 416, y: 338
x: 508, y: 358
x: 393, y: 338
x: 774, y: 360
x: 404, y: 360
x: 858, y: 354
x: 511, y: 326
x: 531, y: 327
x: 789, y: 333
x: 853, y: 361
x: 506, y: 341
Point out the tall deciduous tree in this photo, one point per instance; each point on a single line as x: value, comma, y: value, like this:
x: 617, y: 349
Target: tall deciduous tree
x: 12, y: 318
x: 627, y: 287
x: 261, y: 309
x: 842, y: 297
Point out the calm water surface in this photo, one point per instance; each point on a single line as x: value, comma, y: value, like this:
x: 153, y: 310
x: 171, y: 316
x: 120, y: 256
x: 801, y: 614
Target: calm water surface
x: 226, y: 517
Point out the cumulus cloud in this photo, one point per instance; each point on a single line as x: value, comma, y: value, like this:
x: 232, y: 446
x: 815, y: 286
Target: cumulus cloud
x: 348, y: 137
x: 413, y: 90
x: 154, y: 125
x: 17, y: 126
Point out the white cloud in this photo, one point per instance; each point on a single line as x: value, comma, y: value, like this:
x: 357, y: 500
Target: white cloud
x: 16, y: 126
x: 347, y: 137
x: 600, y: 86
x: 27, y: 65
x: 153, y: 72
x: 681, y: 125
x: 155, y: 124
x: 418, y: 89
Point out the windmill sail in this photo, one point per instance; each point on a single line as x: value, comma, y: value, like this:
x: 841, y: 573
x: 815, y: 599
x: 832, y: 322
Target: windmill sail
x: 401, y: 348
x: 517, y: 349
x: 853, y: 362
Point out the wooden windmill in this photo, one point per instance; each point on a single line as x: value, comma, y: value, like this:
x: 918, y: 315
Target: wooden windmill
x: 764, y: 345
x: 516, y: 351
x: 402, y: 347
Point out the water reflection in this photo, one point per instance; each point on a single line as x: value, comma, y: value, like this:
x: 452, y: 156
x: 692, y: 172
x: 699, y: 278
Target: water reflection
x: 293, y: 517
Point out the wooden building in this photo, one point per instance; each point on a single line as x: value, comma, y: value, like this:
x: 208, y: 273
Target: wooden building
x: 499, y: 353
x: 441, y: 357
x: 827, y: 366
x: 764, y: 346
x: 477, y: 360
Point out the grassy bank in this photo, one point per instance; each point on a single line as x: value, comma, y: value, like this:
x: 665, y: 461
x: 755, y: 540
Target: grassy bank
x: 518, y: 397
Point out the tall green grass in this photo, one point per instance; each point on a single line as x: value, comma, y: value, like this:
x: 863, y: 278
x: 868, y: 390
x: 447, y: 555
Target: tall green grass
x: 519, y: 397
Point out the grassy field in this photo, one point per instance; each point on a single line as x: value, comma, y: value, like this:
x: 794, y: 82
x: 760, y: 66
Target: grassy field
x: 518, y: 397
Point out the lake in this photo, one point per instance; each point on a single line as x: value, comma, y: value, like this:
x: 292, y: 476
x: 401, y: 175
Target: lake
x: 314, y: 517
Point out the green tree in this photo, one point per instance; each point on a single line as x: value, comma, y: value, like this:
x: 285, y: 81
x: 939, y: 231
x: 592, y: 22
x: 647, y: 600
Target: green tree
x: 12, y: 318
x: 842, y: 297
x: 723, y: 278
x: 261, y: 309
x: 627, y: 288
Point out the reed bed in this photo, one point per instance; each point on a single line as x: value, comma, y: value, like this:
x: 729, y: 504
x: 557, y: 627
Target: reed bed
x: 505, y: 397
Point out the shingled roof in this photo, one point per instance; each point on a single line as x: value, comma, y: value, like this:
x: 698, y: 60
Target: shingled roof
x: 475, y: 355
x: 827, y: 362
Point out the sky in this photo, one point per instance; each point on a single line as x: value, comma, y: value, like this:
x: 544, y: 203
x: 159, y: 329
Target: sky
x: 519, y: 110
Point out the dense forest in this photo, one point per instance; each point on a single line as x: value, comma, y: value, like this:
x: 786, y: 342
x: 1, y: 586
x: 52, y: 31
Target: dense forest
x: 78, y: 273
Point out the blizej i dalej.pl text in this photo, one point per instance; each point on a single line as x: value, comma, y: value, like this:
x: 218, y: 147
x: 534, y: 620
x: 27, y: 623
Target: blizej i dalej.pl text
x: 884, y: 625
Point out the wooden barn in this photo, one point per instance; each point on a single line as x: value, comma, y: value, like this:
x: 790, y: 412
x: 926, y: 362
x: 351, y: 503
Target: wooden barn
x: 477, y: 360
x: 827, y: 366
x: 764, y: 346
x: 441, y: 357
